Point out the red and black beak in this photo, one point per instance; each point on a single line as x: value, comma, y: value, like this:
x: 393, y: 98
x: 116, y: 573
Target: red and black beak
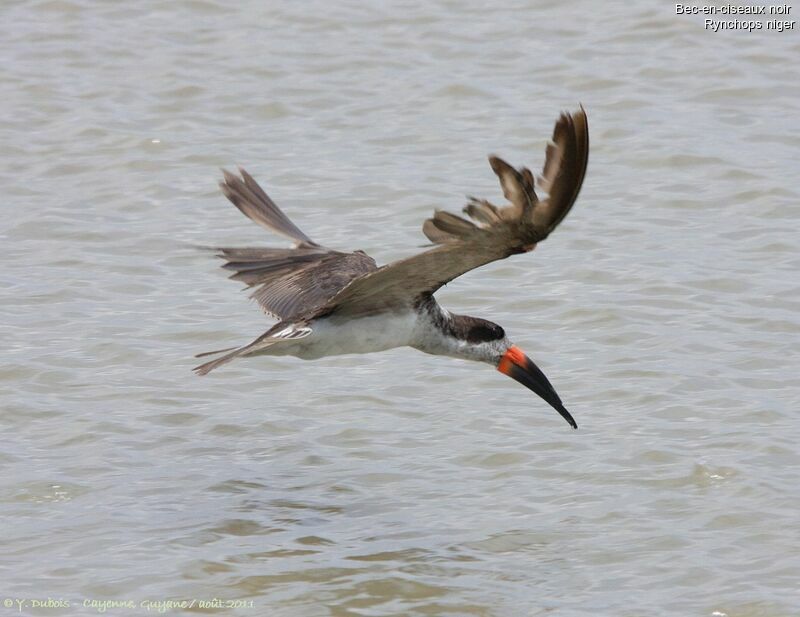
x: 520, y: 367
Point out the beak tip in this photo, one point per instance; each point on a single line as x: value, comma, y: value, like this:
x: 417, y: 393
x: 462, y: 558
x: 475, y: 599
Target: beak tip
x: 521, y: 368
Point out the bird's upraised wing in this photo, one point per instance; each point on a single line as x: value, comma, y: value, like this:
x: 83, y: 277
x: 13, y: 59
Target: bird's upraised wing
x: 292, y: 281
x: 493, y: 233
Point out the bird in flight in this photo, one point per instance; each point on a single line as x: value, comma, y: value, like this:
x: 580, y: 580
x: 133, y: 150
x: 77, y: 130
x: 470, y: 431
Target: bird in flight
x: 329, y: 302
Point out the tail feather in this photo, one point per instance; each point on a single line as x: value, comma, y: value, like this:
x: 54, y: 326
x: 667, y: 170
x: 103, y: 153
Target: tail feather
x: 214, y: 353
x: 281, y: 331
x: 254, y: 203
x: 206, y: 368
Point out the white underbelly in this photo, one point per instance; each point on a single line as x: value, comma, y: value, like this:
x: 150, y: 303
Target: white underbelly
x: 361, y: 335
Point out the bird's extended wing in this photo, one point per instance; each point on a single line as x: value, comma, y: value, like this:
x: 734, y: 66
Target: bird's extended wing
x: 291, y: 282
x: 493, y: 233
x: 287, y: 282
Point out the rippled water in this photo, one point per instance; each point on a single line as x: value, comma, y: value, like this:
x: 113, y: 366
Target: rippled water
x: 665, y: 310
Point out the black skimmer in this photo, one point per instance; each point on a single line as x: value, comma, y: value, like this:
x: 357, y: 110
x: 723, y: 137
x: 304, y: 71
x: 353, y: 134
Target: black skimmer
x: 329, y: 302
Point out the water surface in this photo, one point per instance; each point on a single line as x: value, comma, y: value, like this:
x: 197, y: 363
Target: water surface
x: 664, y: 309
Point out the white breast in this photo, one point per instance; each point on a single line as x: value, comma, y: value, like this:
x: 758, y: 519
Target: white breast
x: 360, y: 335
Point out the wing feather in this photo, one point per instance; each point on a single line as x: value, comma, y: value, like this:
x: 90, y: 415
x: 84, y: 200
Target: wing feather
x: 500, y: 232
x: 436, y: 235
x: 255, y: 204
x: 290, y: 281
x: 514, y: 188
x: 453, y: 225
x: 482, y: 211
x: 564, y: 169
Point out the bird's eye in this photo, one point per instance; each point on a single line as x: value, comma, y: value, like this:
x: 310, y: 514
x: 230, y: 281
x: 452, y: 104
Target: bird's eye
x: 484, y: 332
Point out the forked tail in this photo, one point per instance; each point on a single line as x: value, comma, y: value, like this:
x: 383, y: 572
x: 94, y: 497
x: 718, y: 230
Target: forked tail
x: 206, y: 368
x: 280, y: 332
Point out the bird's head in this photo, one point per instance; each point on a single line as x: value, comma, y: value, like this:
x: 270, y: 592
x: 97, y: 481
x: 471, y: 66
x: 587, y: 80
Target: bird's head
x: 477, y: 339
